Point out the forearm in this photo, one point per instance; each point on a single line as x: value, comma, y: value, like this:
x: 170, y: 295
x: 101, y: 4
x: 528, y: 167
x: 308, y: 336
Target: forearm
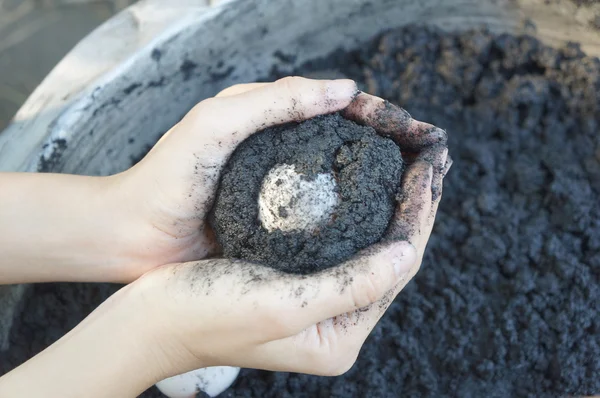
x: 112, y: 353
x: 58, y: 227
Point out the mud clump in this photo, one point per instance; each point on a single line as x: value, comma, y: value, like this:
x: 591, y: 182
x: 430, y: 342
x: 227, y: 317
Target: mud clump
x: 304, y: 197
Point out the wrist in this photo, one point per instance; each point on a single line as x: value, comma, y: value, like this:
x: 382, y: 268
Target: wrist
x: 94, y: 232
x: 56, y: 227
x: 111, y: 353
x: 113, y: 237
x: 167, y: 325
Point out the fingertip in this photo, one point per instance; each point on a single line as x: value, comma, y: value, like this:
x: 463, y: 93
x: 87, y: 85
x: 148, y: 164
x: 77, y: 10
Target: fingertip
x: 438, y: 136
x: 363, y: 107
x: 406, y: 249
x: 403, y: 257
x: 420, y: 170
x: 435, y: 155
x: 341, y: 90
x: 448, y: 166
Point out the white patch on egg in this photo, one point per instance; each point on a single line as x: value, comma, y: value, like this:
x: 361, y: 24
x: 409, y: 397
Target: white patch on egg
x: 288, y: 201
x: 212, y: 381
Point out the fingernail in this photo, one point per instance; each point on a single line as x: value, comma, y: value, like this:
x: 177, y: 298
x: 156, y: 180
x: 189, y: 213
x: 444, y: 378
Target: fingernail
x: 449, y: 163
x: 403, y: 260
x: 439, y: 158
x: 342, y: 89
x: 430, y: 173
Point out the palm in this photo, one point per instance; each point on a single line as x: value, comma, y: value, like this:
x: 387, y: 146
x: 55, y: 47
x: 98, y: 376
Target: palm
x: 182, y: 229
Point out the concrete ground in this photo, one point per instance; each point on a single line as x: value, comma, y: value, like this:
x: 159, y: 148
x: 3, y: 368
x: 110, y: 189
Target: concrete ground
x: 35, y: 35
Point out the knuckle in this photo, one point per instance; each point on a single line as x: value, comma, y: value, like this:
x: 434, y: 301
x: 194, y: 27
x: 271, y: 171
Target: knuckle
x: 291, y: 83
x: 204, y: 106
x: 231, y: 89
x: 295, y: 88
x: 297, y: 94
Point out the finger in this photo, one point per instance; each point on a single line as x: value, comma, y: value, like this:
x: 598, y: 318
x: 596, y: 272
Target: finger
x: 437, y: 156
x: 239, y: 89
x: 394, y: 122
x: 294, y: 302
x: 414, y: 203
x: 419, y: 230
x: 222, y: 123
x: 327, y: 348
x: 355, y: 284
x: 323, y: 349
x: 448, y: 165
x: 436, y: 202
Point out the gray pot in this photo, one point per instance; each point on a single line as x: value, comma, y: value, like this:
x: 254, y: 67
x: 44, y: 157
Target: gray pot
x: 125, y: 84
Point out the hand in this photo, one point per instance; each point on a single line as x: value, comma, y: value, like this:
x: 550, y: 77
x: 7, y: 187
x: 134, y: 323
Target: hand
x: 170, y: 192
x: 74, y: 228
x: 229, y: 312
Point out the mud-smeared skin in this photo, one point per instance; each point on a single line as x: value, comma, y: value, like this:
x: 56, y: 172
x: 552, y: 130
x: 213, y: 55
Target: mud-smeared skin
x: 506, y: 303
x: 367, y: 169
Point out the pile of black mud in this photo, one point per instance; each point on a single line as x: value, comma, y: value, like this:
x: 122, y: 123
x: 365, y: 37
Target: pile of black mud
x: 507, y: 302
x: 324, y: 160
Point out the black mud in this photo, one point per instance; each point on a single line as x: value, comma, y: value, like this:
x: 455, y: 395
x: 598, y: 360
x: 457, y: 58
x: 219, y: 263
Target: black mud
x: 507, y: 302
x: 367, y: 169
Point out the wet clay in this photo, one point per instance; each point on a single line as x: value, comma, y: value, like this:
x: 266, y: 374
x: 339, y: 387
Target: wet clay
x: 364, y: 172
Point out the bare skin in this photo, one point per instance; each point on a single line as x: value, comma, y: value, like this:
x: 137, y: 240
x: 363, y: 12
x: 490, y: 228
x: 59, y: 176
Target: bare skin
x: 180, y: 315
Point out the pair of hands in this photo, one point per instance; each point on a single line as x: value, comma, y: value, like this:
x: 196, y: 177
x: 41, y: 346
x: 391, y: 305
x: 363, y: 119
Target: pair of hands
x: 228, y: 312
x: 186, y: 308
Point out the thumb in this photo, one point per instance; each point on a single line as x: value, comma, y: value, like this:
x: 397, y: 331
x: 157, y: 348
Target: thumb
x: 355, y: 284
x: 220, y: 124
